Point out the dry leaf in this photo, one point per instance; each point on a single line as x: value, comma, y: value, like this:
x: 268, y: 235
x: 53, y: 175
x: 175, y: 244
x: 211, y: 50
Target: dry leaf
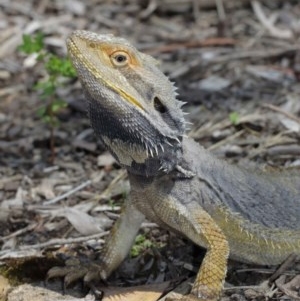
x: 214, y: 83
x: 7, y: 206
x: 83, y: 222
x: 46, y: 188
x: 9, y: 244
x: 290, y: 124
x: 291, y: 289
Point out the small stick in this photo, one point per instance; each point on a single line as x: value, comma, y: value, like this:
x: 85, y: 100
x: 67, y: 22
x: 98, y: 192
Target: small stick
x: 65, y: 195
x: 279, y: 110
x: 268, y: 24
x: 59, y: 241
x: 19, y: 232
x: 283, y: 267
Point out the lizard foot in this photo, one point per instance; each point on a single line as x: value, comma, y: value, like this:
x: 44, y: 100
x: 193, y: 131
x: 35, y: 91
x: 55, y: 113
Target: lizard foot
x: 75, y: 270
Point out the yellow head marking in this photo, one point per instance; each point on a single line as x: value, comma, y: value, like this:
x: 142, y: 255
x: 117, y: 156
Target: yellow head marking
x: 113, y: 56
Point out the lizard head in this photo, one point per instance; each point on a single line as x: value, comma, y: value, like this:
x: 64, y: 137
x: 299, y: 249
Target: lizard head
x: 132, y: 105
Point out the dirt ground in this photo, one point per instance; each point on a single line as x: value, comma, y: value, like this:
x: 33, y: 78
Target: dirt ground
x: 236, y: 64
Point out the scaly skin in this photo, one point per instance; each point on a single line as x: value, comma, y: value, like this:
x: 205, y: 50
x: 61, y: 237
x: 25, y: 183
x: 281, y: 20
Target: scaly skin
x: 250, y: 216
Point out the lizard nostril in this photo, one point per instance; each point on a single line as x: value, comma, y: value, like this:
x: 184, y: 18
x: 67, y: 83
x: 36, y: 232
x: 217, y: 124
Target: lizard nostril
x: 158, y: 106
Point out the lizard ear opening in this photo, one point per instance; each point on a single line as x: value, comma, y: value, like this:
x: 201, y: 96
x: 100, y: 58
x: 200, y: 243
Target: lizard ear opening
x: 166, y: 115
x: 158, y: 106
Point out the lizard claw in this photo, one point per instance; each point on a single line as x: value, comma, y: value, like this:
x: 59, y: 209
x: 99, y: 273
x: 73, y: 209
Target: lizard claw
x: 75, y: 270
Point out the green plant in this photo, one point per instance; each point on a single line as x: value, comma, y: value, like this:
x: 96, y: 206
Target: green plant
x: 234, y: 118
x: 56, y: 69
x: 112, y: 204
x: 141, y: 244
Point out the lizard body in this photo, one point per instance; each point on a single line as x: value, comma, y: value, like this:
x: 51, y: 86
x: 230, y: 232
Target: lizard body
x: 248, y: 215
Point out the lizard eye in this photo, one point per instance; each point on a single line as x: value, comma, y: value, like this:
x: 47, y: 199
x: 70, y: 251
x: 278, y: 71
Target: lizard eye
x: 119, y: 58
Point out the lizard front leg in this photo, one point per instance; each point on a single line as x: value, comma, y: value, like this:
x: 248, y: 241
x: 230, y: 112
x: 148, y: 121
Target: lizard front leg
x: 121, y: 238
x: 115, y: 250
x: 211, y: 276
x: 195, y: 223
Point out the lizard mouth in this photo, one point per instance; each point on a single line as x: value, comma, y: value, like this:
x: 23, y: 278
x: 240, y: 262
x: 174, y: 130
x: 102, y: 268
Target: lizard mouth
x: 75, y: 52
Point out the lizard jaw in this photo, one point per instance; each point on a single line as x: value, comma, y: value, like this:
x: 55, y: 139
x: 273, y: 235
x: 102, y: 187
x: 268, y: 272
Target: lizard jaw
x: 130, y: 140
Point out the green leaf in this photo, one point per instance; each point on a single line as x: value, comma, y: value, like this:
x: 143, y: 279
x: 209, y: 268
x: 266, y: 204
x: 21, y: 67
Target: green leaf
x: 46, y: 118
x: 60, y: 66
x: 51, y: 120
x: 41, y: 112
x: 55, y: 67
x: 58, y: 104
x: 46, y: 87
x: 140, y: 245
x: 67, y: 69
x: 32, y: 44
x: 111, y: 203
x: 234, y: 118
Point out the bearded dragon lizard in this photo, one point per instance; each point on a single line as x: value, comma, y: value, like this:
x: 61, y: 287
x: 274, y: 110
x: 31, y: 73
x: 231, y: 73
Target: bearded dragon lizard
x: 245, y: 214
